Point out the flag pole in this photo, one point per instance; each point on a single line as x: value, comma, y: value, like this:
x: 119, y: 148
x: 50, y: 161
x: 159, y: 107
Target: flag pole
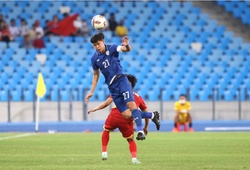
x: 37, y: 113
x: 40, y: 92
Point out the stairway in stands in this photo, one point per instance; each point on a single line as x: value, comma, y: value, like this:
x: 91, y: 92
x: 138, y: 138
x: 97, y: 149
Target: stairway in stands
x: 225, y: 18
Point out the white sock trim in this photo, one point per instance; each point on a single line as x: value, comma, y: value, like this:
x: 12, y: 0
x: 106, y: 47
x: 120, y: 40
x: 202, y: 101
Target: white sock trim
x: 153, y: 115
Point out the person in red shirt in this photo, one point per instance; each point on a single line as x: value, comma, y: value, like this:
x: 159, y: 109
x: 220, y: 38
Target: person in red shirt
x: 125, y: 126
x: 5, y: 33
x: 52, y: 24
x: 38, y: 41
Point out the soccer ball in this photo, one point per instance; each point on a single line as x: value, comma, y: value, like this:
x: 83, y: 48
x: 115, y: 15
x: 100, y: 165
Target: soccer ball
x: 99, y: 22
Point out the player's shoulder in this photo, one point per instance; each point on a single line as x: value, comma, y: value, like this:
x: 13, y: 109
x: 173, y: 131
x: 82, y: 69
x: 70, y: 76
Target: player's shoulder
x: 136, y: 94
x: 94, y: 56
x: 112, y: 47
x: 138, y: 97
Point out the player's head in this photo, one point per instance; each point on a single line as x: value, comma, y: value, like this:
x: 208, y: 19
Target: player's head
x: 98, y: 42
x: 132, y: 79
x: 182, y: 98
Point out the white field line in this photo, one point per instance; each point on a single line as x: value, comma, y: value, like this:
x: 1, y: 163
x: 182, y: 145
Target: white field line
x: 16, y: 136
x: 226, y: 128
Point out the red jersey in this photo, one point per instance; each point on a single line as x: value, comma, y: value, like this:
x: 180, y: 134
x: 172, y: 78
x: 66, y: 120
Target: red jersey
x: 116, y: 120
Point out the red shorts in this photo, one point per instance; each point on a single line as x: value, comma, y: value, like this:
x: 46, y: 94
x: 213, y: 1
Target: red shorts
x: 116, y: 120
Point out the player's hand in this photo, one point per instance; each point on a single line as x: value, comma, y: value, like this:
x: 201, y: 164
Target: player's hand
x: 125, y: 41
x: 91, y: 110
x: 88, y: 97
x: 145, y: 131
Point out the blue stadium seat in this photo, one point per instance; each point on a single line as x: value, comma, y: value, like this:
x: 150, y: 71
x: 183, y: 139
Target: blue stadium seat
x: 167, y: 55
x: 203, y: 95
x: 28, y: 95
x: 3, y: 95
x: 64, y: 93
x: 16, y: 95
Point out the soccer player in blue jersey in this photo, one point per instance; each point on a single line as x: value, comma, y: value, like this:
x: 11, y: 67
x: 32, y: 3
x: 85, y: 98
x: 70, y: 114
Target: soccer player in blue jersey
x: 106, y: 59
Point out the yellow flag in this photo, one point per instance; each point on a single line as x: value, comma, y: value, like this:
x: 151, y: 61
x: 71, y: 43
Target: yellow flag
x: 40, y: 87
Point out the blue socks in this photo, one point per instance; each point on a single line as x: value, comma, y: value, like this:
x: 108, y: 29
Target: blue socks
x: 136, y: 114
x: 147, y: 115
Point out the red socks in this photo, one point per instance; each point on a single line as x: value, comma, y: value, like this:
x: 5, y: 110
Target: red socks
x: 105, y: 140
x: 132, y: 148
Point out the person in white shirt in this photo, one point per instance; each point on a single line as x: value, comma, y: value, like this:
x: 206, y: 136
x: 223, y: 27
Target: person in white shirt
x: 14, y: 31
x: 23, y: 29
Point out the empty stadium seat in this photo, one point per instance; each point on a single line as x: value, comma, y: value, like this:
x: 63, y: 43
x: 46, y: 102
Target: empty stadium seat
x: 161, y: 55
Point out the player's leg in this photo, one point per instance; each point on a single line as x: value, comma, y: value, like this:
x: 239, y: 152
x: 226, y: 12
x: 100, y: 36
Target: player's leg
x: 138, y: 121
x: 154, y: 116
x: 105, y: 141
x: 133, y: 150
x: 126, y: 127
x: 189, y: 119
x: 110, y: 124
x: 176, y: 120
x: 128, y: 97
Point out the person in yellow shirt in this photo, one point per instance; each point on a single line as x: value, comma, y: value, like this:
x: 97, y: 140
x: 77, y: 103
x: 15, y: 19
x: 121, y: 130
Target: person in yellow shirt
x: 121, y: 30
x: 182, y: 114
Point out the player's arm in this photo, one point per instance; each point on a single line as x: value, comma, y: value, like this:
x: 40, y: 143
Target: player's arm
x: 125, y: 47
x: 145, y: 129
x: 101, y: 106
x: 143, y: 107
x: 93, y: 86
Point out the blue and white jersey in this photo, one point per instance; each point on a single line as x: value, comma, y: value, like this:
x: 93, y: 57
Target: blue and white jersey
x: 108, y: 62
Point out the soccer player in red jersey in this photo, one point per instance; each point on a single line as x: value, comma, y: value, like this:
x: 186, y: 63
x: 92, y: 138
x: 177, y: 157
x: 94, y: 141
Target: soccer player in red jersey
x: 125, y: 126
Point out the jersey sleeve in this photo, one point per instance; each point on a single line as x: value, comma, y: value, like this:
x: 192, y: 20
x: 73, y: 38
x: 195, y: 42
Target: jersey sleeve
x: 93, y: 63
x: 142, y: 104
x: 114, y: 49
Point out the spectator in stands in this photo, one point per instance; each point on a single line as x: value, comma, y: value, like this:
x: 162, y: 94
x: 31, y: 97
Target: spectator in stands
x: 83, y: 29
x: 182, y: 114
x: 38, y: 41
x: 38, y: 28
x: 1, y: 21
x: 112, y: 23
x: 52, y: 24
x: 66, y: 26
x: 5, y: 33
x: 121, y: 30
x: 14, y: 31
x: 29, y: 37
x: 23, y: 29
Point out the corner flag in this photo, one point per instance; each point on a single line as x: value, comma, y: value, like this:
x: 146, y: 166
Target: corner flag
x: 40, y: 92
x: 40, y: 87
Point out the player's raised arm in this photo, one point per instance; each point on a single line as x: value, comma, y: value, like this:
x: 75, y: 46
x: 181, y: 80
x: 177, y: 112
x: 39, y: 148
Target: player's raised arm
x: 125, y: 47
x: 102, y: 105
x: 145, y: 129
x: 95, y: 79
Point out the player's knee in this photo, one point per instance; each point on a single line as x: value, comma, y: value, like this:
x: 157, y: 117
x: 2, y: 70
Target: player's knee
x: 130, y: 139
x: 131, y: 105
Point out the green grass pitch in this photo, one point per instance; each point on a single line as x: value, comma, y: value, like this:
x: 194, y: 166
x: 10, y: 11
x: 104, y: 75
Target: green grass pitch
x: 160, y: 151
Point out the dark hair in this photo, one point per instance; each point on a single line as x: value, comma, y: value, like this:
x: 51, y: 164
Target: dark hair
x: 132, y: 79
x: 97, y: 37
x: 183, y: 95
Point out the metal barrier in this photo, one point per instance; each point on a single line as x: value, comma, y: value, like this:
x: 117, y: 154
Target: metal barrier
x: 214, y: 99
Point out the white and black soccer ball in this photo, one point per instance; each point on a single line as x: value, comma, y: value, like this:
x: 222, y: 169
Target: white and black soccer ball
x: 99, y: 22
